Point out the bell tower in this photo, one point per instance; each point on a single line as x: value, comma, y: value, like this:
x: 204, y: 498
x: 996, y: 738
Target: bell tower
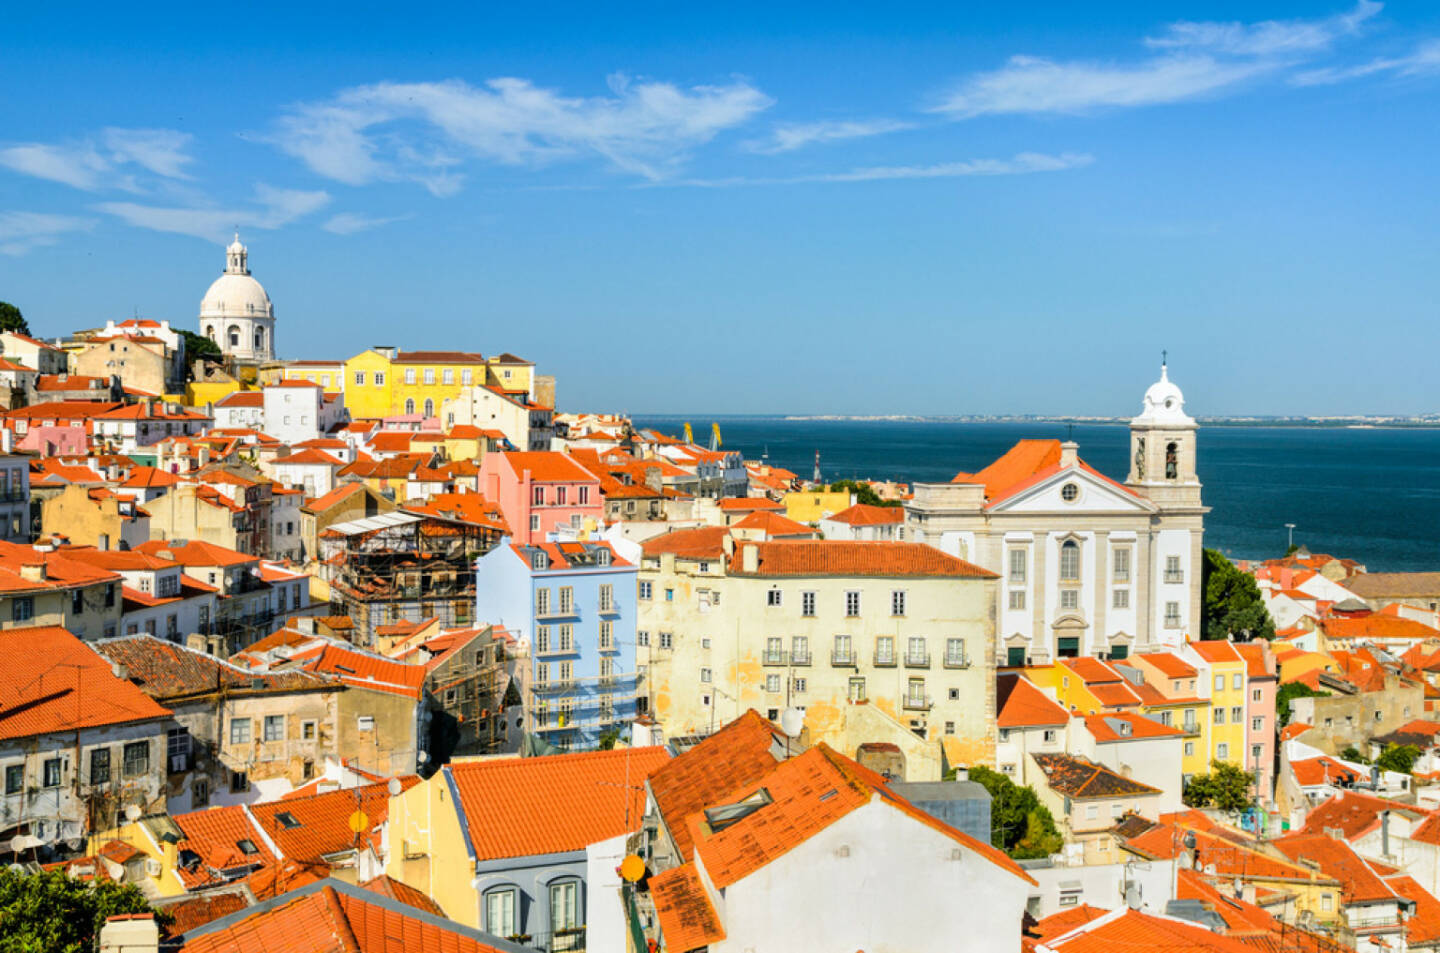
x: 1162, y: 447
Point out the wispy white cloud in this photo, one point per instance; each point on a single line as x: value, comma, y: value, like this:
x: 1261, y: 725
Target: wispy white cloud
x: 1424, y: 61
x: 787, y: 137
x: 1193, y: 60
x: 271, y: 208
x: 348, y: 223
x: 425, y: 132
x: 1023, y: 163
x: 105, y: 163
x: 22, y: 231
x: 1268, y: 37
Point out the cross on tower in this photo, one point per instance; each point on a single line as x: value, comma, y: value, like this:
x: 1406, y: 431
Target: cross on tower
x: 1164, y: 358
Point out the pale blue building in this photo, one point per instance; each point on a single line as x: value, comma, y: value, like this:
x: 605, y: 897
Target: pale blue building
x: 574, y: 604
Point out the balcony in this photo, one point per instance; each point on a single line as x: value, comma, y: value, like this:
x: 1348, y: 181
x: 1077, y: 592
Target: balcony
x: 956, y: 661
x: 557, y: 650
x: 800, y: 657
x: 918, y: 703
x: 773, y: 657
x: 1174, y: 578
x: 917, y: 659
x: 842, y: 658
x: 884, y: 659
x: 551, y: 612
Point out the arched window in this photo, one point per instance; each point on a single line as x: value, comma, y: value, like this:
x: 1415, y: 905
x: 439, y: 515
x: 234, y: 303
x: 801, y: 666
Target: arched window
x: 502, y: 907
x: 410, y: 405
x: 1172, y: 461
x: 1070, y: 561
x: 564, y: 908
x: 259, y: 339
x: 210, y: 331
x: 429, y: 407
x: 234, y: 335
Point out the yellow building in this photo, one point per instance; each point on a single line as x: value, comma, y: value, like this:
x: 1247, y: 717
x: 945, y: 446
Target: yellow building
x: 330, y: 375
x: 386, y: 382
x: 811, y: 506
x: 1222, y: 679
x: 1172, y: 693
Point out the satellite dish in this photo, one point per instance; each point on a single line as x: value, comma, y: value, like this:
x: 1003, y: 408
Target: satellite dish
x: 132, y: 812
x: 394, y: 787
x: 792, y: 722
x: 358, y: 822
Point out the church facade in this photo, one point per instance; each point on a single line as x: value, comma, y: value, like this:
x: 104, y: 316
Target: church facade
x: 1088, y: 565
x: 236, y: 313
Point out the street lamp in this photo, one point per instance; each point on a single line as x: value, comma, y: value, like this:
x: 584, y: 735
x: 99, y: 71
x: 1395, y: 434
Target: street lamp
x: 1290, y: 543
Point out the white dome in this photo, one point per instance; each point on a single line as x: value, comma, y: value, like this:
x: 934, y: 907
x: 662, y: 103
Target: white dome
x: 1164, y: 404
x: 236, y: 296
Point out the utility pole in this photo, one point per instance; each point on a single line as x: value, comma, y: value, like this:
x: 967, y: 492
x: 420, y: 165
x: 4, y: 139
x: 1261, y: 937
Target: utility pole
x: 1290, y: 541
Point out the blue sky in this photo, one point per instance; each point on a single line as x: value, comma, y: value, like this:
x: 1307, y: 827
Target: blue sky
x: 956, y: 208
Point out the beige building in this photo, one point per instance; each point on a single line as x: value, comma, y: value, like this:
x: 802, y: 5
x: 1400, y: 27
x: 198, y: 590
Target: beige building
x: 33, y: 353
x: 854, y: 634
x: 197, y: 511
x: 141, y: 363
x: 43, y: 586
x: 1090, y: 566
x: 95, y: 516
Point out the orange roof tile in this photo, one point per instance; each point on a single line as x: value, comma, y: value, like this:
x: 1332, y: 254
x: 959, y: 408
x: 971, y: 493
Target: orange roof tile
x: 1215, y: 650
x: 1322, y: 770
x: 863, y: 514
x: 848, y: 558
x: 1169, y: 664
x: 1377, y: 627
x: 701, y: 542
x: 774, y: 525
x: 196, y: 552
x: 571, y: 800
x: 306, y: 829
x: 739, y: 504
x: 402, y: 892
x: 1022, y: 705
x: 1358, y: 880
x: 220, y: 844
x: 1019, y: 463
x: 1127, y: 929
x: 1122, y: 726
x: 362, y: 670
x: 51, y: 681
x: 547, y: 466
x: 1353, y: 813
x: 1423, y: 926
x: 687, y: 917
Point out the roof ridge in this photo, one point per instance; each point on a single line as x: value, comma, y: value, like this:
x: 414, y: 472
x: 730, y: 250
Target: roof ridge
x: 340, y: 920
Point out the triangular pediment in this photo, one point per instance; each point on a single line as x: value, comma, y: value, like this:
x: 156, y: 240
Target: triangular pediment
x: 1091, y: 493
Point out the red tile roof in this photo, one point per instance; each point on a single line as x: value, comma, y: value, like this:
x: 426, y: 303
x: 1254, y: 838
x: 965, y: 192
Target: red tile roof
x: 1354, y: 813
x: 547, y: 466
x: 1019, y: 463
x: 775, y: 526
x: 309, y: 457
x: 1377, y: 627
x: 196, y: 552
x: 319, y: 825
x: 1169, y: 664
x: 1423, y: 926
x: 1127, y: 929
x: 1358, y: 879
x: 1077, y: 777
x: 1230, y: 859
x: 1022, y: 705
x: 219, y: 838
x: 848, y: 558
x: 571, y: 800
x: 1124, y: 726
x: 863, y: 514
x: 701, y: 542
x: 362, y: 670
x: 687, y: 917
x: 1311, y: 772
x: 388, y: 886
x: 51, y: 681
x: 322, y: 503
x: 735, y: 504
x: 1215, y: 650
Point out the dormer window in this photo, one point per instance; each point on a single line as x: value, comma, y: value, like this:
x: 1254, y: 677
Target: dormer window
x: 602, y: 557
x: 539, y: 561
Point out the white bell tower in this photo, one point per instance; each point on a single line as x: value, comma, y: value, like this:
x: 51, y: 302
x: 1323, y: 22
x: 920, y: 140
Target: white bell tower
x: 1162, y: 447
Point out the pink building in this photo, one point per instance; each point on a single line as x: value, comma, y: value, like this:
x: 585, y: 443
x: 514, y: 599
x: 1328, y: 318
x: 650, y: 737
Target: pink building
x: 540, y: 491
x: 1261, y: 683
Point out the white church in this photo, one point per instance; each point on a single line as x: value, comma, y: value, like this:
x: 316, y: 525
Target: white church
x: 236, y: 313
x: 1087, y: 565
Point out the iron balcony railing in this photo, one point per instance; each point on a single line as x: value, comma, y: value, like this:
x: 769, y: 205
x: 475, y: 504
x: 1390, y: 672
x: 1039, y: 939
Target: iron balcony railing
x: 917, y: 659
x: 917, y: 702
x: 842, y: 657
x: 800, y: 657
x: 956, y: 661
x: 884, y: 659
x: 773, y: 657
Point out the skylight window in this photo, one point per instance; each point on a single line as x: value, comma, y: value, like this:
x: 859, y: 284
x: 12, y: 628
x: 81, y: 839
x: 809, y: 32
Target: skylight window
x: 247, y: 846
x: 287, y: 820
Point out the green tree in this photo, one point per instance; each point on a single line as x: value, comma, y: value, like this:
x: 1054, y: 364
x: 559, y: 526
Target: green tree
x: 1352, y: 753
x: 1232, y: 603
x: 1398, y: 758
x: 11, y: 319
x: 198, y: 345
x: 1019, y: 824
x: 864, y: 493
x: 1226, y: 787
x: 608, y: 739
x: 53, y: 913
x: 1291, y: 690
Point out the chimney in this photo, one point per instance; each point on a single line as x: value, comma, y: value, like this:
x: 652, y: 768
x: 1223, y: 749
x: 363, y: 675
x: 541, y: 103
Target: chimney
x: 727, y: 545
x: 130, y: 933
x: 750, y: 558
x: 1069, y: 454
x: 1385, y: 834
x: 7, y: 440
x: 33, y: 571
x: 204, y: 456
x: 962, y: 773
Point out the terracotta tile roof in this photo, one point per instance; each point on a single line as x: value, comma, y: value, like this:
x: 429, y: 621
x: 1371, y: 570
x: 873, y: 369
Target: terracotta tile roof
x: 141, y: 477
x: 471, y: 508
x: 1127, y: 929
x: 1058, y: 924
x: 1423, y: 926
x: 243, y: 398
x: 1358, y: 880
x: 1078, y: 778
x: 222, y: 845
x: 306, y: 829
x: 1019, y: 463
x: 1294, y: 730
x: 804, y: 795
x: 141, y: 411
x: 1377, y: 627
x: 193, y: 912
x: 1022, y: 705
x: 547, y: 466
x: 1215, y: 650
x: 51, y: 681
x: 846, y: 558
x: 63, y: 410
x: 196, y: 552
x: 1420, y: 733
x: 1229, y: 857
x: 168, y: 671
x: 1354, y: 812
x: 701, y: 542
x: 735, y: 756
x: 63, y: 382
x: 572, y: 800
x: 1124, y: 726
x: 332, y: 917
x: 775, y: 526
x: 61, y: 571
x: 362, y: 670
x: 392, y: 441
x: 439, y: 357
x: 863, y: 514
x: 1311, y: 772
x: 1114, y: 694
x: 322, y: 503
x: 738, y: 504
x: 309, y: 457
x: 1254, y: 655
x: 687, y: 917
x: 402, y: 892
x: 1169, y: 664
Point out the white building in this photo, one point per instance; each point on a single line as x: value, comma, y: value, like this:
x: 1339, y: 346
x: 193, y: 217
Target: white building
x: 1090, y: 566
x: 526, y: 424
x: 293, y: 410
x: 236, y: 313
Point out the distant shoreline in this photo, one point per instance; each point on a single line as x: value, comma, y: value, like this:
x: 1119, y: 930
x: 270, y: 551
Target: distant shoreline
x: 1312, y: 423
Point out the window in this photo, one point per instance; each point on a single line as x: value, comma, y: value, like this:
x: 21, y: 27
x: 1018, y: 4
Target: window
x: 800, y: 650
x: 607, y: 667
x: 500, y: 912
x: 379, y: 378
x: 772, y: 683
x: 807, y: 604
x: 537, y: 496
x: 954, y: 652
x: 885, y: 650
x: 22, y: 609
x: 607, y: 597
x: 1189, y: 749
x: 1219, y: 683
x: 360, y: 377
x: 666, y: 640
x: 409, y: 405
x: 177, y: 749
x: 1219, y: 716
x: 1237, y: 681
x: 1017, y: 566
x: 564, y: 907
x: 897, y: 602
x: 772, y: 597
x: 1173, y: 572
x: 1120, y: 599
x: 567, y: 600
x: 1172, y: 615
x: 607, y: 635
x: 1070, y: 560
x: 798, y: 685
x: 1069, y: 493
x: 274, y: 728
x: 856, y: 690
x: 50, y: 773
x: 1167, y: 718
x: 447, y: 376
x: 110, y: 595
x: 669, y: 595
x: 1257, y: 724
x: 1017, y: 598
x: 542, y: 639
x: 365, y: 723
x: 916, y: 652
x: 1255, y: 696
x: 137, y: 759
x: 1069, y: 598
x: 1255, y: 751
x: 239, y: 782
x: 429, y: 375
x: 646, y: 590
x: 542, y: 601
x: 1237, y: 715
x: 307, y: 731
x: 542, y: 673
x: 567, y: 638
x: 1222, y: 751
x: 642, y: 637
x: 1122, y: 565
x: 705, y: 675
x: 239, y: 731
x: 100, y: 766
x: 562, y: 495
x: 852, y: 603
x: 582, y: 494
